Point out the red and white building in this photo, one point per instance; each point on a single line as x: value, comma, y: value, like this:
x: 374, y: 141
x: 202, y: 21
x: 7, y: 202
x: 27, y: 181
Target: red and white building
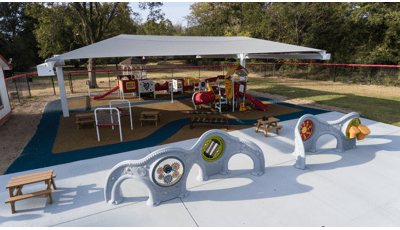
x: 5, y: 106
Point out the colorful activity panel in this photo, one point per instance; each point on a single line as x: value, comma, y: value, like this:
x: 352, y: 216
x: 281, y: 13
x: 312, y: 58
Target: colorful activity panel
x: 353, y: 122
x: 306, y: 130
x: 213, y: 148
x: 168, y: 171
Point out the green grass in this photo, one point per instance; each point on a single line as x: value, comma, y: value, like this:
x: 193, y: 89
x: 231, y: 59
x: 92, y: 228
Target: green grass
x: 384, y: 109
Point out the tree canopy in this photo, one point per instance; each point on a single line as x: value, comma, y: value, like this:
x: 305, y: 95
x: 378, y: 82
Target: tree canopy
x: 363, y: 33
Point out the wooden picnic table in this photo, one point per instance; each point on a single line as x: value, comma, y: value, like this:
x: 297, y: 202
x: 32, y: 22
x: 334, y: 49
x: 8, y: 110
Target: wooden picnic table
x: 272, y: 123
x: 84, y: 118
x: 16, y: 183
x: 149, y: 116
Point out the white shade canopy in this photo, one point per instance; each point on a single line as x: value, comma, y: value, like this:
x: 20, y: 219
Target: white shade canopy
x: 148, y: 45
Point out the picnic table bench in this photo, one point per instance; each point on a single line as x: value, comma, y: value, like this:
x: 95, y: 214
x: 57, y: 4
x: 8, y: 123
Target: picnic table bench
x: 272, y: 123
x: 149, y: 116
x: 84, y: 118
x: 16, y: 183
x: 208, y: 118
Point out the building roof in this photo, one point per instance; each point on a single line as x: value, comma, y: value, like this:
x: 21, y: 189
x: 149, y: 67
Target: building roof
x: 4, y: 63
x: 133, y: 60
x: 147, y: 45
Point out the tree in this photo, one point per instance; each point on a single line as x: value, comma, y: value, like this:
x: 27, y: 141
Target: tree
x: 379, y: 31
x: 151, y: 27
x: 66, y: 26
x: 16, y: 36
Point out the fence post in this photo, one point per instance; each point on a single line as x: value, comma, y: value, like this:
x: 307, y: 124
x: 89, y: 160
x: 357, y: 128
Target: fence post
x: 52, y: 81
x: 70, y: 83
x: 16, y: 88
x: 273, y: 71
x: 109, y: 81
x: 265, y: 73
x: 29, y: 87
x: 334, y: 75
x: 199, y: 72
x: 172, y: 73
x: 283, y: 70
x: 308, y: 71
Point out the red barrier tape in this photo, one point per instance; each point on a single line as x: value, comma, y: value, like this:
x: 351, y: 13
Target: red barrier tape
x: 213, y: 66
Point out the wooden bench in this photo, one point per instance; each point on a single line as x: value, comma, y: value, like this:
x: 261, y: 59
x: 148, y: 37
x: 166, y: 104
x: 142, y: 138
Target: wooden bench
x: 84, y: 118
x: 208, y: 118
x: 149, y: 116
x: 272, y: 123
x: 16, y: 183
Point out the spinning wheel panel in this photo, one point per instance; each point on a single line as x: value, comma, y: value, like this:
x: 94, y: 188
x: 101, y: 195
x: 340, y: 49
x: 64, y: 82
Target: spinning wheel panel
x: 306, y: 130
x: 353, y: 122
x: 213, y: 148
x: 168, y: 171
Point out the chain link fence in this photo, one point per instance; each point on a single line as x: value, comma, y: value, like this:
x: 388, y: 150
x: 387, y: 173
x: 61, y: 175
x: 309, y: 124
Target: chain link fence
x: 23, y: 86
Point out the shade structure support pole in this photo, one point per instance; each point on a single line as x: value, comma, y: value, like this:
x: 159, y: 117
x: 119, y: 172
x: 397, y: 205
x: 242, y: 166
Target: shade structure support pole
x: 242, y: 60
x: 61, y: 87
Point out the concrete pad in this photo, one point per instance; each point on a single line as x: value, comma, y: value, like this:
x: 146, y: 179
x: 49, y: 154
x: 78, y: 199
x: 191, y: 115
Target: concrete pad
x: 284, y: 196
x: 137, y: 215
x: 367, y: 171
x: 388, y: 142
x: 358, y: 187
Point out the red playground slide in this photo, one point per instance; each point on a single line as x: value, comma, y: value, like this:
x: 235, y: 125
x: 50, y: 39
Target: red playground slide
x: 106, y: 93
x: 257, y: 103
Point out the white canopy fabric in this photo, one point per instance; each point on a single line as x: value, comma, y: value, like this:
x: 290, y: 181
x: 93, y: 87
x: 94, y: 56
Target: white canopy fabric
x: 202, y: 47
x: 147, y: 45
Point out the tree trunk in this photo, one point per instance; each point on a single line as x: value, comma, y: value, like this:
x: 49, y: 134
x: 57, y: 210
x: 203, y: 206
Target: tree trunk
x: 92, y: 76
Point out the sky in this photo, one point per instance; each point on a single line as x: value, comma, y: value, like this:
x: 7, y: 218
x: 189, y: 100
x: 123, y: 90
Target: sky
x: 174, y: 11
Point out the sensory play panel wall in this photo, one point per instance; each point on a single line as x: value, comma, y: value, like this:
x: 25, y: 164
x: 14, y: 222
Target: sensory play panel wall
x: 309, y: 128
x: 165, y: 171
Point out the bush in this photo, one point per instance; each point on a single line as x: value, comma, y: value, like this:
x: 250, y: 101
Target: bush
x: 388, y: 80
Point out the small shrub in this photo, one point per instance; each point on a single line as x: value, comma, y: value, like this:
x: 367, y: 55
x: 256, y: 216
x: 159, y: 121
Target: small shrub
x: 388, y: 80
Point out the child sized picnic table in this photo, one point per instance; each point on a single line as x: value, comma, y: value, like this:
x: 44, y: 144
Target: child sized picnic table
x: 84, y: 118
x: 16, y: 183
x: 272, y: 123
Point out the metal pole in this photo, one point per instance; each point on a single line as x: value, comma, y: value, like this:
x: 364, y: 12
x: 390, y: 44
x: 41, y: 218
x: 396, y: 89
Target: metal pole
x: 109, y: 81
x: 70, y: 83
x: 16, y: 88
x: 265, y: 73
x: 29, y: 88
x: 199, y: 72
x: 334, y: 75
x: 54, y: 88
x: 274, y: 71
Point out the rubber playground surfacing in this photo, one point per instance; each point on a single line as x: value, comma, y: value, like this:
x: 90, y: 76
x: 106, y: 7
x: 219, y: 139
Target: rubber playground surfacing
x: 58, y: 141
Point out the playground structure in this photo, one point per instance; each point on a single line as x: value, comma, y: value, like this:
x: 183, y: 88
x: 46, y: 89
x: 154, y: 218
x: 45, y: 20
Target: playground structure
x: 105, y: 120
x: 165, y: 171
x: 309, y: 128
x: 128, y: 83
x: 128, y: 65
x: 121, y: 109
x: 229, y: 94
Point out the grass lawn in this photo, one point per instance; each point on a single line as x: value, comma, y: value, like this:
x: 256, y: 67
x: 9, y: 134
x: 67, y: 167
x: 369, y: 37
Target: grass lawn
x: 379, y: 103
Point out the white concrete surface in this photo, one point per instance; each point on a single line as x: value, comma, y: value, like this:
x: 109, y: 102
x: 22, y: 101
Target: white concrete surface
x: 359, y: 187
